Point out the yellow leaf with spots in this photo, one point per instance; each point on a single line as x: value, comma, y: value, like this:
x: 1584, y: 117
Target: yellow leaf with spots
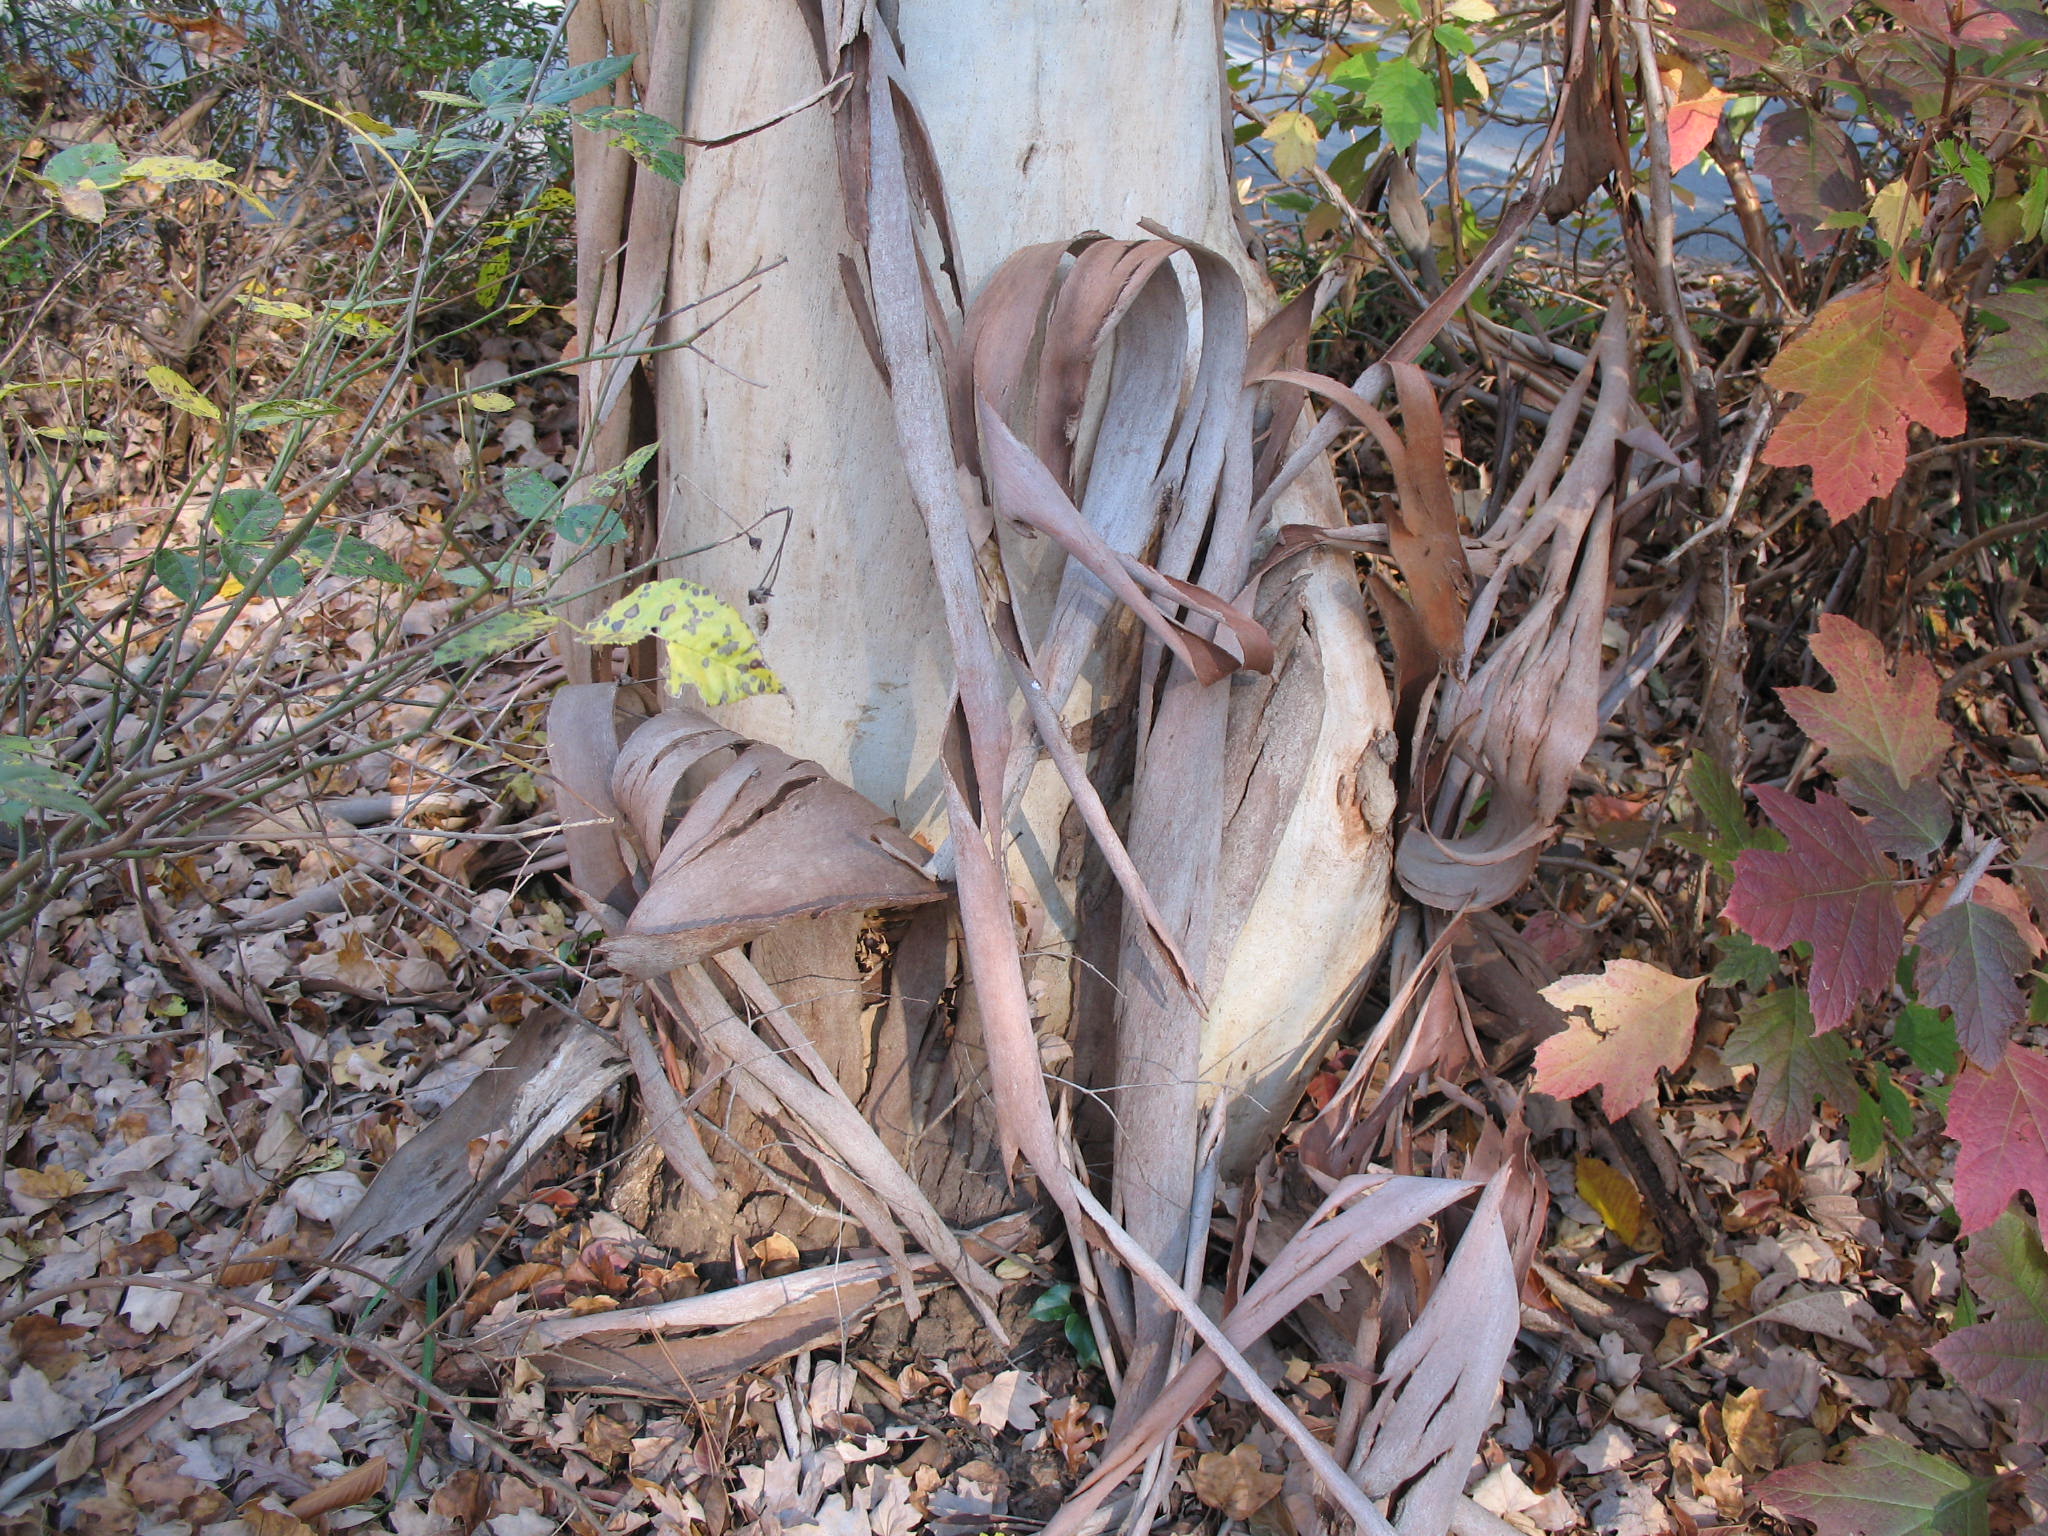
x: 179, y: 391
x: 707, y: 645
x: 1607, y: 1189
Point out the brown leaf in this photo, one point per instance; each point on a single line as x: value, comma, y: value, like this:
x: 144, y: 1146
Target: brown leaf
x: 266, y: 1520
x: 255, y: 1266
x: 1235, y: 1483
x: 352, y: 1487
x: 40, y: 1340
x: 520, y: 1277
x: 464, y: 1499
x: 1753, y: 1432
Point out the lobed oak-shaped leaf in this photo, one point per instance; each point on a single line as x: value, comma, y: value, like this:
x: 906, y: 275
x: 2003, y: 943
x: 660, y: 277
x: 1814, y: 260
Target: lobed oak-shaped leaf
x: 1831, y: 888
x: 1880, y: 1488
x: 2007, y: 1357
x: 1635, y: 1019
x: 1999, y: 1119
x: 1872, y: 363
x: 1970, y: 957
x: 1884, y: 735
x: 2014, y: 363
x: 1794, y: 1065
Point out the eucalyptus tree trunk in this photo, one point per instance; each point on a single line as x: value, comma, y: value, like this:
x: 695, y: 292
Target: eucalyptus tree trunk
x: 1257, y: 810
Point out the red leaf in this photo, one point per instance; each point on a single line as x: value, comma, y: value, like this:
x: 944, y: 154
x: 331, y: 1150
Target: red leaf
x: 1872, y: 363
x: 1969, y: 957
x: 1832, y: 888
x: 1741, y: 28
x: 2007, y: 1357
x: 1884, y: 735
x: 1879, y: 1488
x: 1999, y: 1119
x: 1641, y: 1019
x: 1814, y: 172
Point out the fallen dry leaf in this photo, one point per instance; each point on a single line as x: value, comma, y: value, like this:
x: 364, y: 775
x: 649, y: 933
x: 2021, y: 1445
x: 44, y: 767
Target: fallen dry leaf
x: 1235, y: 1482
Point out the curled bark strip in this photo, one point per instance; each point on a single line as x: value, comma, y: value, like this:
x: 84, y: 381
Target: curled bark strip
x: 1422, y: 524
x: 1027, y: 491
x: 1521, y: 723
x: 763, y: 838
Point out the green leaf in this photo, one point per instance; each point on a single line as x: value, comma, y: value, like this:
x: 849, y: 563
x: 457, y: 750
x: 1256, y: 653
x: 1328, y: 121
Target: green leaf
x: 1928, y: 1037
x: 1881, y: 1488
x: 1866, y: 1128
x: 566, y: 85
x: 1054, y: 1303
x: 247, y: 516
x: 590, y: 522
x: 1355, y: 73
x: 447, y: 99
x: 708, y: 645
x: 1898, y: 1109
x: 1794, y: 1065
x: 187, y: 575
x: 1405, y: 99
x: 530, y: 494
x: 499, y: 633
x: 99, y: 165
x: 1744, y: 963
x: 277, y: 413
x: 501, y: 80
x: 243, y: 562
x: 1082, y: 1338
x: 342, y: 554
x: 27, y: 783
x: 1720, y: 802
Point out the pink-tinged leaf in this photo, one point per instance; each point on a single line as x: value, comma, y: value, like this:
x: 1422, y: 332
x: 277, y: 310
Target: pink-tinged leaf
x: 1830, y: 888
x: 1740, y: 28
x: 1693, y: 110
x: 1880, y: 1488
x: 2007, y: 1357
x: 1884, y: 734
x: 2014, y: 362
x: 1814, y: 172
x: 1625, y: 1024
x: 1872, y: 363
x: 1954, y: 23
x: 1999, y: 1119
x: 1970, y: 957
x: 2031, y: 865
x: 1794, y: 1066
